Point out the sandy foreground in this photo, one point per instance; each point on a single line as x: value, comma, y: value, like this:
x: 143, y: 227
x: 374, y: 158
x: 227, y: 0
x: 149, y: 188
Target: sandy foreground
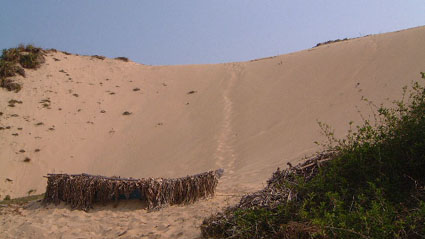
x: 247, y: 117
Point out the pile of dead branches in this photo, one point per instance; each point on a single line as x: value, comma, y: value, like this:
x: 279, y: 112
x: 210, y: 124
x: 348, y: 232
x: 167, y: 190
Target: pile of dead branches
x: 81, y: 191
x: 277, y: 191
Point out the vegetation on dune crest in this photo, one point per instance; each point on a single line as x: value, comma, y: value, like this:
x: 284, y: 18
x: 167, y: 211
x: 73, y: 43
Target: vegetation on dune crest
x: 370, y: 184
x: 14, y: 60
x: 330, y: 42
x: 122, y: 58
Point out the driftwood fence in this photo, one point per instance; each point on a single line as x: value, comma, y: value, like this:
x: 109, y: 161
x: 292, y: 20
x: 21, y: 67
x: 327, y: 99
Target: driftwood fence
x: 81, y: 191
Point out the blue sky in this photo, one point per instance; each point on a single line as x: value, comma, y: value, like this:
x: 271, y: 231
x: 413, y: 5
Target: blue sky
x: 159, y: 32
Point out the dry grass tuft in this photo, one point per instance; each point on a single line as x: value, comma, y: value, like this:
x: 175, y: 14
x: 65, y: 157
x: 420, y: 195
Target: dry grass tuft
x: 10, y: 85
x: 22, y: 200
x: 13, y: 102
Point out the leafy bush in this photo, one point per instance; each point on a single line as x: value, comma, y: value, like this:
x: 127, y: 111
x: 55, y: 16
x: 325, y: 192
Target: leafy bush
x: 372, y: 188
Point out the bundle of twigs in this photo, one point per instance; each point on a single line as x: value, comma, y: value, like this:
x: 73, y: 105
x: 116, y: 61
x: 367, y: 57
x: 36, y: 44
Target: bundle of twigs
x: 277, y: 191
x: 81, y: 191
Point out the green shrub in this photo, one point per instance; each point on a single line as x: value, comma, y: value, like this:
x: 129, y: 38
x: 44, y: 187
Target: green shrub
x: 7, y: 68
x: 10, y: 55
x: 29, y: 60
x: 374, y: 186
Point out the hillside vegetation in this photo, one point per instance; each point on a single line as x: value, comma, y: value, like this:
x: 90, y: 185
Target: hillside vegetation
x: 14, y: 60
x: 372, y: 185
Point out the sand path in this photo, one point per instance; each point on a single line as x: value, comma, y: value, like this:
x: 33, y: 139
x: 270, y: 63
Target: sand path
x: 225, y: 153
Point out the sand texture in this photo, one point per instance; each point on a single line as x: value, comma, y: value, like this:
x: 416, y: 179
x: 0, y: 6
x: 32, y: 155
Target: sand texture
x: 247, y: 117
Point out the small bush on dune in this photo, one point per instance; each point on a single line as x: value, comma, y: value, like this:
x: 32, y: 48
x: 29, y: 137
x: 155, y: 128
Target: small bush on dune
x: 12, y: 60
x: 330, y: 42
x: 7, y: 68
x: 30, y: 60
x: 28, y: 56
x: 372, y: 187
x: 10, y: 55
x: 99, y: 57
x: 10, y: 85
x: 122, y: 58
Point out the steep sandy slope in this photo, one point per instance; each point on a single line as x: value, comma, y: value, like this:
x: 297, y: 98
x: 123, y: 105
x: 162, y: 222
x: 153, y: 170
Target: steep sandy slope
x: 247, y: 117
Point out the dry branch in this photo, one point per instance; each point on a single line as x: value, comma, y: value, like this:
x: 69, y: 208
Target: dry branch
x: 277, y: 192
x: 81, y: 191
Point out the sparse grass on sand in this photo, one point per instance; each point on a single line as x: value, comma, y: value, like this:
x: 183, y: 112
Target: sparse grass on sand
x: 22, y: 200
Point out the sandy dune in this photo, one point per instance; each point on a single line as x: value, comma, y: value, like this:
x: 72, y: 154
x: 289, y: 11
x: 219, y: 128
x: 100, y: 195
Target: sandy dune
x: 246, y: 117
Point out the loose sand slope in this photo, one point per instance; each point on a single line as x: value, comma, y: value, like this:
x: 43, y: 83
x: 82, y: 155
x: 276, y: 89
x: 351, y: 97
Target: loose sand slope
x: 247, y: 118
